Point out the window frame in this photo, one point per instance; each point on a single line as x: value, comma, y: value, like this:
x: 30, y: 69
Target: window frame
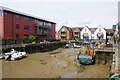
x: 17, y: 26
x: 17, y: 16
x: 26, y: 18
x: 6, y: 13
x: 99, y: 29
x: 26, y: 27
x: 17, y: 36
x: 1, y: 12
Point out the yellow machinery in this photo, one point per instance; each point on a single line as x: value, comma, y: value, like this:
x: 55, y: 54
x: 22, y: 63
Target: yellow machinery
x: 87, y: 57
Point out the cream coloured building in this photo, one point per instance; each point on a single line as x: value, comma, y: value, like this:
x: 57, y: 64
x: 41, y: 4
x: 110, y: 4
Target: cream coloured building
x: 86, y: 33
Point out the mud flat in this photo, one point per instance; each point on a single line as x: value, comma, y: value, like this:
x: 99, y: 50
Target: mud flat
x: 53, y: 64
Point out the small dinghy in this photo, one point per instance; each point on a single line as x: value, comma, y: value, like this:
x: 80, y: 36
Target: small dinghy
x: 13, y: 55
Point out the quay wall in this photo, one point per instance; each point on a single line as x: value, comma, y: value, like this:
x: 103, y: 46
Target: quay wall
x: 33, y: 48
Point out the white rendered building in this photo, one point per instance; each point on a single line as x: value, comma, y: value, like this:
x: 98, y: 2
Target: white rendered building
x: 86, y: 33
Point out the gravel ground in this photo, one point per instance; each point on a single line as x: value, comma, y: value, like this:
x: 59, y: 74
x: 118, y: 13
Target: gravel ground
x: 54, y: 64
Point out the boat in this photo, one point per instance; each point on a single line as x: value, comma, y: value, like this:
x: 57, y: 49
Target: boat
x: 115, y: 77
x: 14, y: 55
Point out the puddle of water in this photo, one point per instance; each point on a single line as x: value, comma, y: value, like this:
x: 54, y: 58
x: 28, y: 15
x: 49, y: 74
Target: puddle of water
x: 70, y: 75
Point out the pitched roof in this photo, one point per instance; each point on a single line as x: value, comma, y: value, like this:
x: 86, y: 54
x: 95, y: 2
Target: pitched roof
x: 110, y: 30
x: 70, y: 29
x: 80, y: 28
x: 92, y: 29
x: 21, y: 13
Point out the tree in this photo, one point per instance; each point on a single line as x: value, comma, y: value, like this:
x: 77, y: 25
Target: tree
x: 32, y: 38
x: 115, y: 37
x: 25, y: 37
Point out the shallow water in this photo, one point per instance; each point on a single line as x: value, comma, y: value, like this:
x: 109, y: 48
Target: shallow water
x: 72, y: 74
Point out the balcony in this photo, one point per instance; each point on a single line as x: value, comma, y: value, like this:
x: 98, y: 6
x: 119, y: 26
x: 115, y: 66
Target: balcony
x: 41, y: 32
x: 63, y: 34
x: 42, y: 25
x: 46, y: 26
x: 63, y: 38
x: 76, y: 34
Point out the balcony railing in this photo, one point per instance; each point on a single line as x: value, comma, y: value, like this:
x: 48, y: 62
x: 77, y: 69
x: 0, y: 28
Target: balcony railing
x: 46, y: 26
x: 40, y: 24
x: 76, y: 34
x: 41, y: 32
x: 63, y: 34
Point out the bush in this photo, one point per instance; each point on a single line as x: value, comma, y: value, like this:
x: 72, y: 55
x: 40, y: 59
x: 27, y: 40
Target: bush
x: 25, y: 37
x: 32, y: 38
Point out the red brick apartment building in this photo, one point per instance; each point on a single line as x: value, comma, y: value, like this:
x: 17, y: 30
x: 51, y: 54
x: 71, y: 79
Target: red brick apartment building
x: 14, y: 24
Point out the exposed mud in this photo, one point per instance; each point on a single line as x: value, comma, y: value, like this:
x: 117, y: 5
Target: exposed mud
x: 54, y: 64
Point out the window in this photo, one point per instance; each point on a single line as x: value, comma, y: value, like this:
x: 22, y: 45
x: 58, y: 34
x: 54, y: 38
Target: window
x: 100, y: 29
x: 92, y: 32
x: 6, y: 13
x: 17, y: 36
x: 17, y: 16
x: 26, y: 27
x: 76, y: 33
x: 63, y: 29
x: 109, y: 33
x: 49, y: 24
x: 85, y: 29
x: 85, y: 34
x: 26, y: 18
x: 17, y: 26
x: 35, y: 21
x: 44, y: 23
x: 0, y: 12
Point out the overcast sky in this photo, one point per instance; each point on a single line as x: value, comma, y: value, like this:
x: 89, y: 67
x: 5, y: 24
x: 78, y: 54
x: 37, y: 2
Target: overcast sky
x: 73, y: 13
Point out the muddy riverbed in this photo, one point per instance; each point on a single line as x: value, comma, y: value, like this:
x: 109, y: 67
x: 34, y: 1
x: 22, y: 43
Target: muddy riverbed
x: 54, y: 64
